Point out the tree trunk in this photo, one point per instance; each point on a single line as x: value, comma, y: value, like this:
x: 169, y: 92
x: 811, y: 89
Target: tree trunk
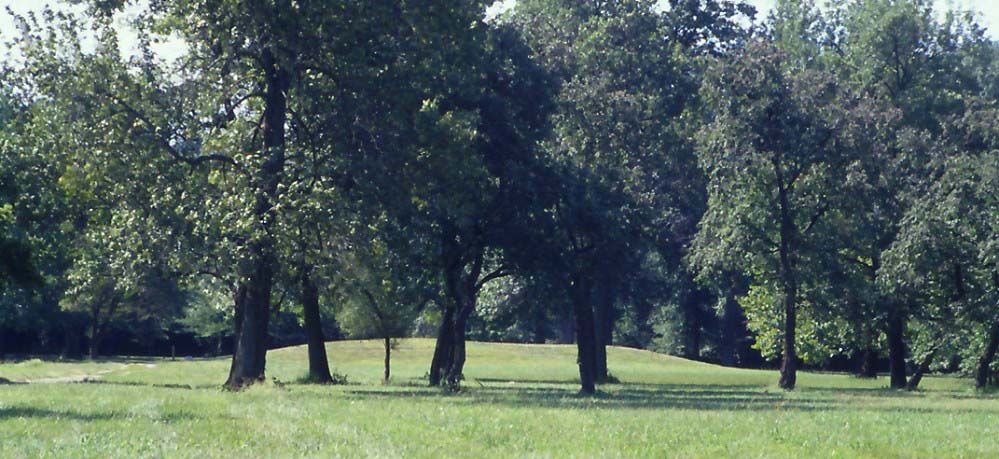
x: 691, y: 328
x: 442, y: 351
x: 455, y: 372
x: 731, y: 320
x: 788, y: 232
x: 585, y: 339
x: 789, y: 366
x: 985, y: 362
x: 924, y: 366
x: 319, y: 369
x: 896, y: 350
x: 388, y: 360
x: 95, y: 343
x: 250, y: 353
x: 868, y: 363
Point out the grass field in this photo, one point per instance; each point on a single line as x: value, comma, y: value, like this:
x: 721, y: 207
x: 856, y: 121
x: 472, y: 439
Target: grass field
x: 520, y: 401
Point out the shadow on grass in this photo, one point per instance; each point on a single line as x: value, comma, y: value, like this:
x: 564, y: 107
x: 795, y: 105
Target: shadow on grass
x: 158, y: 386
x: 663, y: 396
x: 22, y: 412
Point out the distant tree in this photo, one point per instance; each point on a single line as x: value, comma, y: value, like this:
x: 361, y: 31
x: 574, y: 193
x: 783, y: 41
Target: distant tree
x: 384, y: 285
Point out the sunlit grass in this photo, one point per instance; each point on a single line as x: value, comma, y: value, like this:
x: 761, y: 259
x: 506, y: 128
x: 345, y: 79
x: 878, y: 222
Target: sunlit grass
x: 519, y: 400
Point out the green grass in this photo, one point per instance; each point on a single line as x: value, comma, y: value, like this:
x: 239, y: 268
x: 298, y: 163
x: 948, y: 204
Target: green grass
x: 520, y: 401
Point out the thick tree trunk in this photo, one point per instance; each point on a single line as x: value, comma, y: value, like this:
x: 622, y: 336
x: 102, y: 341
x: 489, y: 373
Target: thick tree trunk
x: 896, y: 350
x: 455, y: 372
x: 985, y: 362
x: 868, y: 363
x: 319, y: 368
x: 250, y: 353
x: 442, y: 351
x: 388, y: 360
x: 95, y: 344
x: 585, y: 339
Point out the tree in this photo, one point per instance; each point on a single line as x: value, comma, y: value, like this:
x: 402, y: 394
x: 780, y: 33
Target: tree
x: 946, y: 247
x: 772, y: 157
x: 915, y: 68
x: 384, y: 284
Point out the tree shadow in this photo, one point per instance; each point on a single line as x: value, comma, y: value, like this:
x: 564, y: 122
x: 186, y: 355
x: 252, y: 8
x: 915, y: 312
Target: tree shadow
x: 141, y: 384
x: 708, y: 397
x: 22, y: 412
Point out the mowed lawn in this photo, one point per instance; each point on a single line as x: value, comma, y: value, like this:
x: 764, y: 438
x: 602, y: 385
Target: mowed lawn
x: 519, y: 401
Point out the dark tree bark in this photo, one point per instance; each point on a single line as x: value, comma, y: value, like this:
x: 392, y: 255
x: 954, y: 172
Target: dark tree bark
x: 456, y: 371
x: 388, y: 360
x: 985, y: 361
x: 319, y: 369
x: 868, y: 363
x: 539, y: 326
x: 585, y: 339
x: 896, y: 350
x: 732, y: 323
x: 692, y: 337
x: 442, y: 351
x: 924, y: 366
x: 789, y: 365
x: 98, y: 327
x: 250, y: 353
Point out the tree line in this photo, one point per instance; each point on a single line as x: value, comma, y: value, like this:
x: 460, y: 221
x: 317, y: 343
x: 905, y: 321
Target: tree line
x: 819, y: 184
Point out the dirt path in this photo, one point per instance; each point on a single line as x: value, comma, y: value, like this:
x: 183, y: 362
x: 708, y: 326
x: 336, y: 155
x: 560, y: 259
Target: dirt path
x: 81, y: 378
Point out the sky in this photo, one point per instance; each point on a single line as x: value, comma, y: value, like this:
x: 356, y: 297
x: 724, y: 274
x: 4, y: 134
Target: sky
x: 988, y: 11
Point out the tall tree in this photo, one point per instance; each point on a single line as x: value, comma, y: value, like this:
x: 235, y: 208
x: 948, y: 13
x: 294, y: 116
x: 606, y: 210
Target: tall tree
x: 772, y: 156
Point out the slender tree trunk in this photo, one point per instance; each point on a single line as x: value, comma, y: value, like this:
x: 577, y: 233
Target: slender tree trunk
x: 388, y: 360
x: 319, y: 369
x: 985, y: 362
x: 788, y: 232
x: 250, y: 353
x: 691, y: 328
x: 442, y: 351
x: 539, y: 326
x: 789, y: 365
x: 585, y: 339
x: 924, y: 366
x: 896, y: 350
